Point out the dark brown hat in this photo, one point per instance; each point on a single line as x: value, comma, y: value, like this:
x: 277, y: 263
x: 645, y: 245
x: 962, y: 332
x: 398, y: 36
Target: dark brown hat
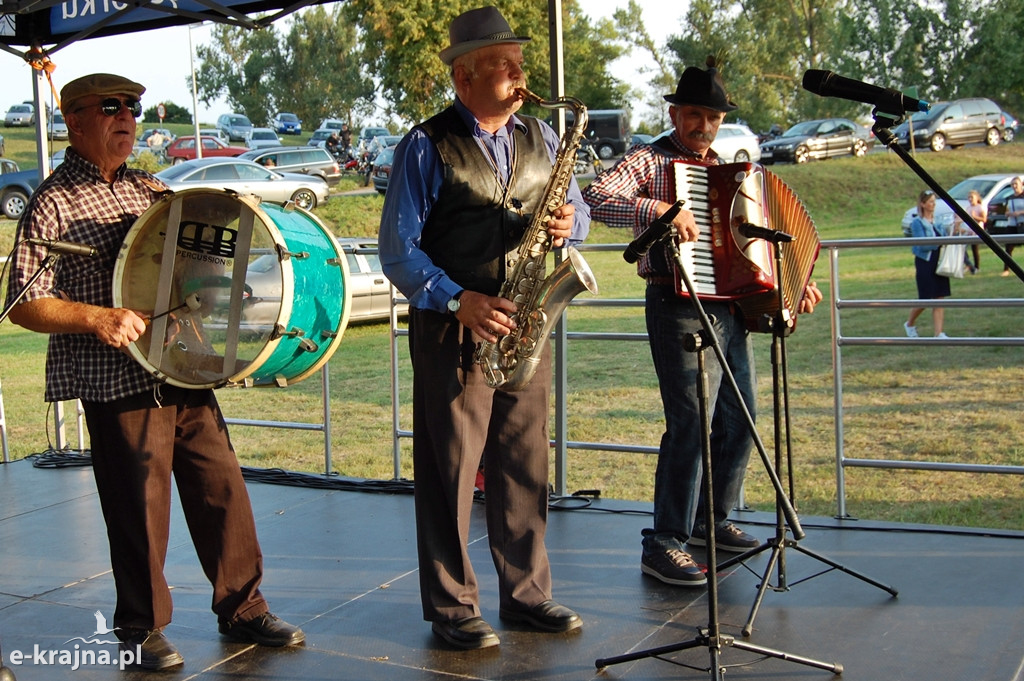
x: 97, y: 84
x: 699, y: 87
x: 475, y: 29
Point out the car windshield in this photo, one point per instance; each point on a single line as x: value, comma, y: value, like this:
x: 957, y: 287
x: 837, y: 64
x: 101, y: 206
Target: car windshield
x: 805, y: 128
x: 960, y: 190
x: 932, y: 113
x: 291, y: 118
x: 239, y: 120
x: 174, y: 172
x: 268, y: 135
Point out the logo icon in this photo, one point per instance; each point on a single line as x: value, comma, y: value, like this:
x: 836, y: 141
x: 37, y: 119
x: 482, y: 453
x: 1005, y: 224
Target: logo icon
x: 101, y: 630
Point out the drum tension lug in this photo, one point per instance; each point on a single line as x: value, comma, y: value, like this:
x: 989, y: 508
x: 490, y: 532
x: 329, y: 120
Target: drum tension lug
x: 308, y: 345
x: 281, y: 381
x: 283, y: 254
x: 326, y: 333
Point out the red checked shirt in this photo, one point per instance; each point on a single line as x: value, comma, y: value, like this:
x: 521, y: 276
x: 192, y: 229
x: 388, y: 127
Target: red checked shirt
x: 629, y: 193
x: 76, y: 204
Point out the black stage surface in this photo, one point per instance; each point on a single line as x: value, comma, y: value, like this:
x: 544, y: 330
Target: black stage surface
x: 342, y: 564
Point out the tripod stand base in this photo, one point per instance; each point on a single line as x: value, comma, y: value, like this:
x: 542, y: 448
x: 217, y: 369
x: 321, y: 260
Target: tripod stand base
x: 715, y: 650
x: 778, y: 548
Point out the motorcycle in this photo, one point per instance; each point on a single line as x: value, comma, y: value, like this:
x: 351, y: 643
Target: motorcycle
x: 587, y: 160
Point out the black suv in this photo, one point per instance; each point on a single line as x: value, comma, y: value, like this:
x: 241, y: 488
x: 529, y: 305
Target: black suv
x: 307, y: 160
x: 954, y: 124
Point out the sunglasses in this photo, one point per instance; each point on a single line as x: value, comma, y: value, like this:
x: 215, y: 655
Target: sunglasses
x: 111, y: 106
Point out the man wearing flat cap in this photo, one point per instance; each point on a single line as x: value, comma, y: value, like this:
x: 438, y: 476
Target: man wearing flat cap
x: 464, y: 186
x: 639, y: 189
x: 140, y: 431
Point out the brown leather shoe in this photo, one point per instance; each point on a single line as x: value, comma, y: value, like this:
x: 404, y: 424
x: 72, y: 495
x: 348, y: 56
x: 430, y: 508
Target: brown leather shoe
x: 157, y: 651
x: 265, y: 629
x: 546, y: 616
x: 470, y: 633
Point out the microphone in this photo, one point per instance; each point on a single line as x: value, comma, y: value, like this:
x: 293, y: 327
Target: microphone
x: 658, y: 230
x: 65, y: 247
x: 828, y: 84
x: 754, y: 232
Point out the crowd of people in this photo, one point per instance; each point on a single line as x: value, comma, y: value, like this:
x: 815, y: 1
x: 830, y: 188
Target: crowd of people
x: 464, y: 185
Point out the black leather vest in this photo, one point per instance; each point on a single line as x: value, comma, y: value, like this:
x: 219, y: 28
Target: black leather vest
x: 473, y: 226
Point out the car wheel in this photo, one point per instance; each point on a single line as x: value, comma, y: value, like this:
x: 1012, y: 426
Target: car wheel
x: 859, y: 148
x: 14, y: 204
x: 938, y: 142
x: 605, y: 151
x: 801, y: 155
x: 1008, y: 135
x: 741, y: 157
x: 305, y: 199
x: 178, y: 160
x: 992, y: 137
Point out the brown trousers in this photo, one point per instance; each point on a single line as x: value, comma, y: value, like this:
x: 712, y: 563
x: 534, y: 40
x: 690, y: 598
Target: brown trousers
x: 136, y: 446
x: 457, y: 420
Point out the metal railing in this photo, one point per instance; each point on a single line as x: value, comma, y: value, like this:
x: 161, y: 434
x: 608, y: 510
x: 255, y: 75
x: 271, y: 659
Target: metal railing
x: 838, y: 305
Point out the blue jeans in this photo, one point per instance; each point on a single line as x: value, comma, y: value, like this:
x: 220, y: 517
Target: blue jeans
x: 678, y: 494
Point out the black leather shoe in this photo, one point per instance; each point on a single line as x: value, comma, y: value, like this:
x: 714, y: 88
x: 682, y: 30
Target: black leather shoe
x: 266, y: 630
x: 546, y: 616
x: 470, y: 633
x: 157, y: 651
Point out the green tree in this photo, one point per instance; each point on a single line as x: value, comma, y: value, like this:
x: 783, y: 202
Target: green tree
x: 993, y: 64
x: 241, y: 65
x: 174, y: 114
x: 401, y: 43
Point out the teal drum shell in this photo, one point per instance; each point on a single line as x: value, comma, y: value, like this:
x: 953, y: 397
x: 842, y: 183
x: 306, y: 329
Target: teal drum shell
x: 234, y: 291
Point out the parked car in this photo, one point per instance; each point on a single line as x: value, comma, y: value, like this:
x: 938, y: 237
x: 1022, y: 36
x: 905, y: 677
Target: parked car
x: 994, y: 198
x: 639, y: 138
x: 954, y: 124
x: 246, y: 177
x: 369, y: 132
x: 149, y: 132
x: 214, y: 132
x: 1008, y: 124
x: 994, y: 190
x: 57, y: 128
x: 261, y: 138
x: 286, y: 124
x: 236, y: 126
x: 736, y: 143
x: 381, y: 172
x: 371, y: 291
x: 184, y: 149
x: 20, y: 115
x: 319, y: 136
x: 304, y: 160
x: 8, y: 166
x: 817, y: 139
x: 331, y: 124
x: 16, y: 186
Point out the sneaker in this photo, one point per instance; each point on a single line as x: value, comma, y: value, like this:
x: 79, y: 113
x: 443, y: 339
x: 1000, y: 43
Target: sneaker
x: 911, y: 330
x: 728, y: 537
x: 673, y: 567
x: 1005, y: 273
x: 941, y: 335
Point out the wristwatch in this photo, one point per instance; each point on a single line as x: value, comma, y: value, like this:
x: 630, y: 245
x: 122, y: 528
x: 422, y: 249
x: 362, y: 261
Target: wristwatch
x: 454, y: 304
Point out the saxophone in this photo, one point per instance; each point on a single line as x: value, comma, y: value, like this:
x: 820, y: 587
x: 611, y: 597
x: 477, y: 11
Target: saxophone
x: 511, y: 361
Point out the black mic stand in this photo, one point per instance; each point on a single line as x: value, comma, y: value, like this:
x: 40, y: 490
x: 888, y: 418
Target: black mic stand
x: 45, y: 265
x: 885, y: 117
x: 781, y: 326
x: 711, y: 636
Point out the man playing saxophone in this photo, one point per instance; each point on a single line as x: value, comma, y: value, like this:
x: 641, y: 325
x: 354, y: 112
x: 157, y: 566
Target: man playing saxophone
x: 463, y: 188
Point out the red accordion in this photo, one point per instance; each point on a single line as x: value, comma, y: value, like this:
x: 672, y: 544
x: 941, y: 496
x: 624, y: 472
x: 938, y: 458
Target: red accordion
x: 723, y: 264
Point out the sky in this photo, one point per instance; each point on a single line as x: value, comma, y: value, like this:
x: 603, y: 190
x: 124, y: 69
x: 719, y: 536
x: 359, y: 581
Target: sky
x: 161, y: 61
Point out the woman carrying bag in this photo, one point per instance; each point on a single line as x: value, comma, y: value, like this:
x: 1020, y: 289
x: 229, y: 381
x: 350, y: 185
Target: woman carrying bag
x: 930, y: 284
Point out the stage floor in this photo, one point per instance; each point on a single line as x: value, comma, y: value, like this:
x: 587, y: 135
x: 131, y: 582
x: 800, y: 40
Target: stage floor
x: 342, y: 564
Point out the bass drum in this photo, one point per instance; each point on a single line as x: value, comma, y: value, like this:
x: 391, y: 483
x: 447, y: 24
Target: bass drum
x: 235, y: 291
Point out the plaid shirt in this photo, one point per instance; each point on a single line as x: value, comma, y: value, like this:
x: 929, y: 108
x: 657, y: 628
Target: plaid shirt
x: 76, y: 204
x: 628, y: 195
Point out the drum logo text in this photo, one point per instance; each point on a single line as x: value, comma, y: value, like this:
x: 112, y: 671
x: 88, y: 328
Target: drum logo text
x: 209, y: 239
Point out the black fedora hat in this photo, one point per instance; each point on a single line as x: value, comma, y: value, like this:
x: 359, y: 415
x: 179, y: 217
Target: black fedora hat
x: 702, y: 87
x: 475, y: 29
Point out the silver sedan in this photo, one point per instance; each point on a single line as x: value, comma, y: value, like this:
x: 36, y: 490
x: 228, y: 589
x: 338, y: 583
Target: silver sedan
x: 246, y: 177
